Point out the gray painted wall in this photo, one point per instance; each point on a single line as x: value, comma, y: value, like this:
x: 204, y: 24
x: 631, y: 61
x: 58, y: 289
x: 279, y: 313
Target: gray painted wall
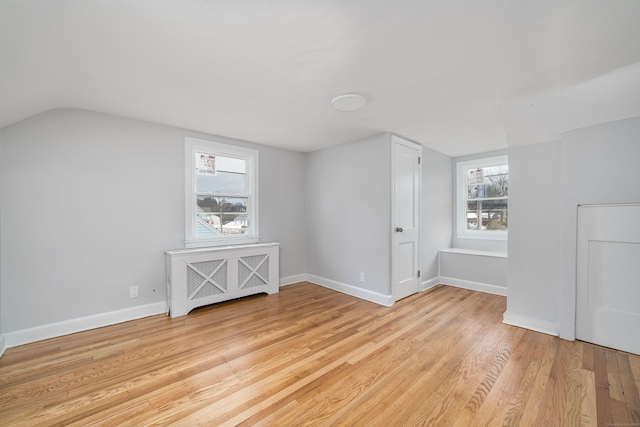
x: 91, y: 201
x: 481, y: 269
x: 593, y: 165
x: 437, y: 209
x: 534, y: 231
x: 599, y: 165
x: 2, y: 341
x: 349, y: 213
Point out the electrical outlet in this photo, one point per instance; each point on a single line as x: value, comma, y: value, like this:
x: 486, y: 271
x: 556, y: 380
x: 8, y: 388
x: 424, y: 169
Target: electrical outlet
x: 362, y: 277
x: 133, y: 292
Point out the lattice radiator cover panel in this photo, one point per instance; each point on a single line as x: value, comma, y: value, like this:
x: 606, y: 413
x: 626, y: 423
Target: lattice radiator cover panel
x: 197, y: 277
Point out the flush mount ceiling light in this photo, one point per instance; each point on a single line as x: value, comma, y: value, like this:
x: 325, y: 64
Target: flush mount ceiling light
x: 349, y: 102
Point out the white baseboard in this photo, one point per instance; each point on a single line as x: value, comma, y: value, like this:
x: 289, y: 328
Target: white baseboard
x: 538, y: 325
x: 3, y: 347
x: 428, y: 284
x: 26, y: 336
x: 354, y: 291
x: 474, y: 286
x: 296, y: 278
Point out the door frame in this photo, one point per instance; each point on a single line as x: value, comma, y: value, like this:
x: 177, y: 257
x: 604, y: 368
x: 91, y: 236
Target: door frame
x: 413, y: 145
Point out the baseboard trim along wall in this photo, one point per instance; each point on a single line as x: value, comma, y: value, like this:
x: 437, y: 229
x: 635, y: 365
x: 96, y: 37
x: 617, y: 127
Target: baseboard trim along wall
x: 296, y: 278
x: 3, y: 347
x: 26, y: 336
x: 386, y: 300
x: 354, y: 291
x: 474, y: 286
x: 428, y: 284
x: 538, y: 325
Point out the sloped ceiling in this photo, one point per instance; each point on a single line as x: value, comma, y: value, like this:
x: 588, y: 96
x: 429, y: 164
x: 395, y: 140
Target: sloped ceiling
x: 458, y: 76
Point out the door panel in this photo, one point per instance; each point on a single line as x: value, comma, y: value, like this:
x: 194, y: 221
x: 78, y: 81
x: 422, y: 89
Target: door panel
x: 406, y: 267
x: 406, y: 217
x: 608, y: 276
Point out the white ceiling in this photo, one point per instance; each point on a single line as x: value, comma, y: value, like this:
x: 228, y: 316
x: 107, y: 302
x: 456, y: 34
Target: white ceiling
x: 454, y: 75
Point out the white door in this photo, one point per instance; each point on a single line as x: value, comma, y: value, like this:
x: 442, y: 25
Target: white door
x: 608, y: 276
x: 407, y: 179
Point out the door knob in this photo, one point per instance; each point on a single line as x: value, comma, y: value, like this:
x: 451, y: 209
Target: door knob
x: 399, y: 229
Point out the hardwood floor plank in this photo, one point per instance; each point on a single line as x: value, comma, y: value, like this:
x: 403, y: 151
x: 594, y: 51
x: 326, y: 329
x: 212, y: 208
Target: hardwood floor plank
x: 532, y: 406
x: 312, y: 356
x: 587, y: 356
x: 498, y: 386
x: 524, y: 388
x: 629, y: 387
x: 613, y: 375
x: 575, y: 392
x: 603, y: 398
x: 634, y: 362
x: 588, y: 413
x: 487, y: 378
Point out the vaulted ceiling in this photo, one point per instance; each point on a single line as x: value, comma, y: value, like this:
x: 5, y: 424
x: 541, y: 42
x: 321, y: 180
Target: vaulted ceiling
x: 459, y: 76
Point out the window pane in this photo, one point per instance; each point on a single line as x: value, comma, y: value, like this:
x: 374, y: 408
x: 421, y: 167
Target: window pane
x: 492, y: 181
x: 221, y: 215
x: 220, y: 175
x: 487, y: 215
x: 496, y: 181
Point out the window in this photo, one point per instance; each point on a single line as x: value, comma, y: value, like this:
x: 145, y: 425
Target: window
x: 483, y: 196
x: 221, y: 194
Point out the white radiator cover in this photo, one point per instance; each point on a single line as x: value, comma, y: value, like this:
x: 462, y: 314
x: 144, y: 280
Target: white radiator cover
x: 197, y: 277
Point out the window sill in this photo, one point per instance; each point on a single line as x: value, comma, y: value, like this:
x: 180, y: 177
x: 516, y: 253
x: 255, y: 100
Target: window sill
x: 220, y: 242
x: 474, y: 252
x: 219, y: 248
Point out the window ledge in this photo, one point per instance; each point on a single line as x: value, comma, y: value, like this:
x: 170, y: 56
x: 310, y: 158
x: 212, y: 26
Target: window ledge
x: 474, y: 252
x: 219, y: 248
x: 220, y: 242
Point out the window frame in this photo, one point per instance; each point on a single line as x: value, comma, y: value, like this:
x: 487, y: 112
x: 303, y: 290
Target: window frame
x: 195, y: 145
x: 461, y: 197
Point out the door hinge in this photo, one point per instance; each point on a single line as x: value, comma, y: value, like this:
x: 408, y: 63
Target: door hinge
x: 419, y: 160
x: 418, y: 273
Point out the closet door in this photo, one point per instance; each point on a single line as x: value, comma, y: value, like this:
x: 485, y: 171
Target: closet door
x: 608, y: 276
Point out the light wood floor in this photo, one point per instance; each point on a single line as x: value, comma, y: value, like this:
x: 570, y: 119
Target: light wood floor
x: 311, y: 356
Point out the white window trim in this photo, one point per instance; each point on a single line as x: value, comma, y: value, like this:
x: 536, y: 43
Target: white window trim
x: 193, y: 145
x: 461, y: 220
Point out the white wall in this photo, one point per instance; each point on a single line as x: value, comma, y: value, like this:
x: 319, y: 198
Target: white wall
x: 349, y: 213
x: 437, y: 209
x: 91, y: 201
x: 592, y: 165
x: 534, y: 236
